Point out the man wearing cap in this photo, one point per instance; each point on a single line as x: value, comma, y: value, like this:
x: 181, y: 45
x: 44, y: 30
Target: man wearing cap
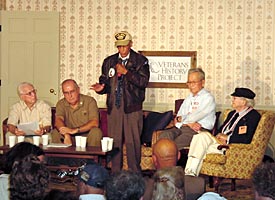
x: 125, y: 75
x: 239, y: 127
x: 91, y: 182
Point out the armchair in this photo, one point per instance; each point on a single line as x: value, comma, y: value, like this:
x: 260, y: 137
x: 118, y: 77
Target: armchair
x: 240, y: 160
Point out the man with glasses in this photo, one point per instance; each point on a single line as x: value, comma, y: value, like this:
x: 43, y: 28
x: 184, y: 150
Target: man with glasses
x: 28, y: 110
x: 76, y: 114
x: 196, y: 113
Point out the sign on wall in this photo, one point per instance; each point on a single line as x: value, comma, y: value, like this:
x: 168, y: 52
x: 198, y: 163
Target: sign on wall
x: 168, y: 69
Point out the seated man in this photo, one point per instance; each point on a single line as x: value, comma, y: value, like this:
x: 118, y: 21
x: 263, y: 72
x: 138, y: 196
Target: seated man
x: 196, y: 113
x: 76, y: 114
x: 28, y: 109
x: 165, y: 154
x: 91, y: 183
x: 239, y: 127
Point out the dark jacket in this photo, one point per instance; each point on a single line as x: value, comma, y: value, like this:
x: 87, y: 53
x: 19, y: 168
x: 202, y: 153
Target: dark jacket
x: 134, y: 82
x: 250, y: 120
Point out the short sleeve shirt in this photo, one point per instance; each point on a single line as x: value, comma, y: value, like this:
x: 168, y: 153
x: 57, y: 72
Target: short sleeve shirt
x: 40, y: 112
x: 86, y: 110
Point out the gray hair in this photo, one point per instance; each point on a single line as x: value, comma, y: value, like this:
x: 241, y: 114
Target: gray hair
x: 250, y: 102
x: 70, y: 80
x: 21, y: 85
x: 199, y: 70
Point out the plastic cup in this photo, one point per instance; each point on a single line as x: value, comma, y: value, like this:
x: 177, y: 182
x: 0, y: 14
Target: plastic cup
x: 77, y: 141
x: 110, y: 144
x: 20, y: 138
x: 36, y: 140
x: 83, y: 142
x: 104, y: 145
x: 45, y: 140
x: 12, y: 139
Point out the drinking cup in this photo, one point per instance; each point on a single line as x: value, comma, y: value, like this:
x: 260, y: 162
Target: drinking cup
x: 36, y: 140
x: 12, y: 139
x: 77, y: 141
x: 104, y: 145
x: 20, y: 138
x: 83, y: 142
x: 45, y: 139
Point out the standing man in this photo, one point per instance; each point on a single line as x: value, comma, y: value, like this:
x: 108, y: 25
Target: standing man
x: 197, y: 111
x: 76, y: 114
x: 28, y: 109
x: 125, y: 76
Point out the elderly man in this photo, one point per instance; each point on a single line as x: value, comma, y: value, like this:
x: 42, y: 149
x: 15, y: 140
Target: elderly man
x: 76, y: 114
x: 239, y: 127
x: 196, y: 113
x: 28, y: 110
x: 124, y: 78
x: 165, y: 155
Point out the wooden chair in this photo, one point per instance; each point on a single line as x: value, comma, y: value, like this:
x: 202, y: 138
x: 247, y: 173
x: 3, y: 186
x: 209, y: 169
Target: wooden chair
x: 240, y: 160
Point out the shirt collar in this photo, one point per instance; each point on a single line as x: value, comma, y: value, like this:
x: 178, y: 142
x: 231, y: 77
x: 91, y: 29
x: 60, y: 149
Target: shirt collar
x: 24, y: 105
x: 127, y: 57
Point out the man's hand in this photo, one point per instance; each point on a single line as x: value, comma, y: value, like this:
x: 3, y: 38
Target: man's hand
x: 120, y: 69
x: 222, y: 138
x: 65, y: 130
x: 39, y: 132
x: 195, y: 126
x: 19, y: 132
x: 97, y: 87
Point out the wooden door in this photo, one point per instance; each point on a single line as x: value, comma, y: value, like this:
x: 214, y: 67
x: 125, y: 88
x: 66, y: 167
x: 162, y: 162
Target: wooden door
x: 29, y: 52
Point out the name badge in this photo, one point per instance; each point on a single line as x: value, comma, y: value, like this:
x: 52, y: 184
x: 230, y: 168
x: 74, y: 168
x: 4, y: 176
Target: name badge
x: 111, y: 72
x: 242, y: 129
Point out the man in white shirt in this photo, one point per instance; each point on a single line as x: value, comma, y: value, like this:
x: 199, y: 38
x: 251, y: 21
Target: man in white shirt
x: 196, y: 113
x: 29, y: 109
x: 91, y: 182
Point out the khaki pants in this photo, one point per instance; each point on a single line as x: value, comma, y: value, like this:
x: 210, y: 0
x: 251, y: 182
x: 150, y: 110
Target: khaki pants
x: 94, y: 137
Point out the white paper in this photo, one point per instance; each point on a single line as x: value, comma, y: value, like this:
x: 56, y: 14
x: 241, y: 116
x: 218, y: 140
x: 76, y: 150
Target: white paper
x: 57, y: 145
x: 28, y: 127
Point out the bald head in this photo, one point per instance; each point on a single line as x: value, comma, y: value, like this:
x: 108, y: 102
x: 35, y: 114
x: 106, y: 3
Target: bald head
x: 165, y: 153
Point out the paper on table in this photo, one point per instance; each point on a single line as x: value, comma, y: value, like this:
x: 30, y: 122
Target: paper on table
x: 28, y: 127
x: 58, y: 145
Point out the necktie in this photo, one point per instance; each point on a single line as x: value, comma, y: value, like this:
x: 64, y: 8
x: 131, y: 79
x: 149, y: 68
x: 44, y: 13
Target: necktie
x: 234, y: 118
x: 119, y: 86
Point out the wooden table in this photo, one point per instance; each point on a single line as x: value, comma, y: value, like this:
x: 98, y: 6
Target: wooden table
x: 90, y: 152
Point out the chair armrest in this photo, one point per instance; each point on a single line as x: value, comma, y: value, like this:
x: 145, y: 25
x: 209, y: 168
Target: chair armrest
x: 155, y: 137
x: 240, y: 147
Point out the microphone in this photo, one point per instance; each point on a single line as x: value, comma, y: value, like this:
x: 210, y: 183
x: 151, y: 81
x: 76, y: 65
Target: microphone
x: 119, y: 61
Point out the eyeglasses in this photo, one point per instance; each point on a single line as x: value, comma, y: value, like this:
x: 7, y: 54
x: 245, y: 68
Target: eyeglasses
x: 30, y: 93
x: 69, y: 92
x: 193, y: 82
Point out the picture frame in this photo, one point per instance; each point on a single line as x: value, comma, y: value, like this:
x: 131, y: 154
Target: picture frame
x: 169, y: 69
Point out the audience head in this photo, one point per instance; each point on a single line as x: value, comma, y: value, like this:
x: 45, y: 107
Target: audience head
x: 60, y: 195
x: 92, y: 179
x: 243, y: 97
x: 27, y: 93
x: 29, y: 179
x: 196, y: 80
x: 264, y: 181
x: 165, y: 153
x: 125, y: 185
x: 18, y: 152
x: 71, y: 91
x: 169, y: 184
